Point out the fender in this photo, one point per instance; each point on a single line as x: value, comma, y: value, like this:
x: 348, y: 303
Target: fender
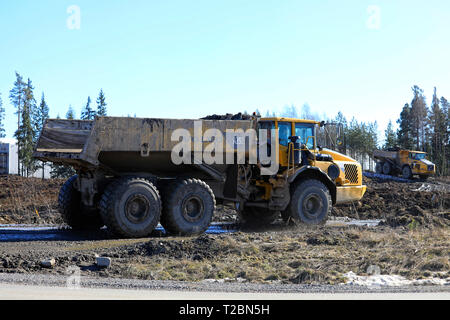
x: 316, y: 173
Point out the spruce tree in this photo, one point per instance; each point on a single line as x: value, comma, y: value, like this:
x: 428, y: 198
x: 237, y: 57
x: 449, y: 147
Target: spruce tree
x: 70, y: 113
x: 390, y: 138
x: 419, y: 113
x: 405, y: 132
x: 41, y: 114
x: 16, y: 96
x: 101, y: 104
x: 87, y: 112
x: 25, y: 133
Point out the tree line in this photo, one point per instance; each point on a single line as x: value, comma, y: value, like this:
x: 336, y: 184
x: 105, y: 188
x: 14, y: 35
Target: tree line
x: 31, y: 118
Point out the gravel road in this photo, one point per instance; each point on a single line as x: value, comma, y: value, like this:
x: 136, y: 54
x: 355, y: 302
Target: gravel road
x: 26, y: 286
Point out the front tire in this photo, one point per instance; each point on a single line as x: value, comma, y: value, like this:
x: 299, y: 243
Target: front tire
x: 188, y: 207
x: 406, y: 172
x: 131, y: 207
x: 310, y: 202
x: 72, y: 211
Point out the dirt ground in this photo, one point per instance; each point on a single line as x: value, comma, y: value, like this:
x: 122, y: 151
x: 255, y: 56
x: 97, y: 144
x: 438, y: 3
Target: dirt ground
x: 425, y: 203
x: 413, y: 241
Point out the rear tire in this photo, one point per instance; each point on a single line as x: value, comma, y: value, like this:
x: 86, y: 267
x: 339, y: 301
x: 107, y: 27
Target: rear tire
x: 379, y: 168
x: 131, y: 207
x: 72, y: 211
x: 310, y: 202
x: 387, y: 168
x: 188, y: 207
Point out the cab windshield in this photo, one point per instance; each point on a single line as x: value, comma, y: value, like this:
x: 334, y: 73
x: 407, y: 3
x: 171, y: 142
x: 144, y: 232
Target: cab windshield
x: 304, y: 131
x: 418, y: 156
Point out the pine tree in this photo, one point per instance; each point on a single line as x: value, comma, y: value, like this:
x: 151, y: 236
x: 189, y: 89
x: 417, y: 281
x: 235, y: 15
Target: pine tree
x: 419, y: 118
x: 25, y: 133
x: 70, y: 113
x: 404, y: 132
x: 16, y: 96
x: 445, y: 155
x: 87, y: 113
x: 390, y: 138
x: 101, y: 104
x: 340, y: 119
x: 41, y: 114
x: 2, y: 117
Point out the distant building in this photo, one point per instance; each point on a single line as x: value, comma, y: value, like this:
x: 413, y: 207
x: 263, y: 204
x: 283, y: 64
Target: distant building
x: 9, y: 158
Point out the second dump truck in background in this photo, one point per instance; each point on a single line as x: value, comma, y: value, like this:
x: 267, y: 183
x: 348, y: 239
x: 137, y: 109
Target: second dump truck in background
x: 405, y: 162
x: 127, y: 180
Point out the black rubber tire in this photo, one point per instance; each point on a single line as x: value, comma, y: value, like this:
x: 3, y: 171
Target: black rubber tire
x: 309, y: 194
x: 258, y: 216
x: 406, y: 172
x: 73, y: 214
x: 120, y: 201
x: 387, y: 168
x: 379, y: 167
x: 182, y: 196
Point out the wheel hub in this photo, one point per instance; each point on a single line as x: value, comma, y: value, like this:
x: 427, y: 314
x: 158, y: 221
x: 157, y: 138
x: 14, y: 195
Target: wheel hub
x: 192, y: 208
x: 137, y: 208
x: 312, y: 205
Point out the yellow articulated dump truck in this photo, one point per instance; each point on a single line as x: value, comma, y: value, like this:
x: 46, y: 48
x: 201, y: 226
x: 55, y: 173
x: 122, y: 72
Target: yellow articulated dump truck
x: 133, y: 173
x: 405, y: 162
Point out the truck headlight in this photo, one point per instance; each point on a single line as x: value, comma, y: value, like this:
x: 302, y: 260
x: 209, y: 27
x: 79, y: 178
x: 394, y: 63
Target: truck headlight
x: 333, y: 171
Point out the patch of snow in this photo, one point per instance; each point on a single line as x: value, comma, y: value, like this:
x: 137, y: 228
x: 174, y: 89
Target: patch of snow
x: 238, y: 279
x: 390, y: 280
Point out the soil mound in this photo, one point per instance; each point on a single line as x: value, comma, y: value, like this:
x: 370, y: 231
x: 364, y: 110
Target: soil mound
x: 401, y: 204
x: 29, y: 200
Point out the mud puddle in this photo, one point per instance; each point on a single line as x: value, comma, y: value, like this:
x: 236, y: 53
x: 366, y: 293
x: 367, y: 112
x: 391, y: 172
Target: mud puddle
x: 29, y: 232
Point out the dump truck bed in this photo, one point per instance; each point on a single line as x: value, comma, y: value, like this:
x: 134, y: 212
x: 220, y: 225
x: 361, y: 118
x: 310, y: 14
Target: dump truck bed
x: 382, y: 154
x: 120, y: 143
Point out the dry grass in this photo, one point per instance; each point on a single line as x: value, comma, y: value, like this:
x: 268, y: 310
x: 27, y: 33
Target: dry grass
x: 304, y: 257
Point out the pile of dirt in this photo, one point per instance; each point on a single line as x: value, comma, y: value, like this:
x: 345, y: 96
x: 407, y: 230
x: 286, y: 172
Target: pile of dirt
x: 228, y: 116
x: 401, y: 204
x: 29, y: 200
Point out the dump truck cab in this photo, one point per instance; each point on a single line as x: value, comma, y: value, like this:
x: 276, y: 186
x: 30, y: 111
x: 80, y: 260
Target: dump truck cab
x: 405, y: 162
x: 418, y: 162
x: 344, y: 172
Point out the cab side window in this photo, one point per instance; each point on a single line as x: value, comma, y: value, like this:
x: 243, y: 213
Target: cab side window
x: 284, y: 132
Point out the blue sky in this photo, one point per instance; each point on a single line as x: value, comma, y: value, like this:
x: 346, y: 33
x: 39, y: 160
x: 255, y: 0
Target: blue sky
x: 187, y: 59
